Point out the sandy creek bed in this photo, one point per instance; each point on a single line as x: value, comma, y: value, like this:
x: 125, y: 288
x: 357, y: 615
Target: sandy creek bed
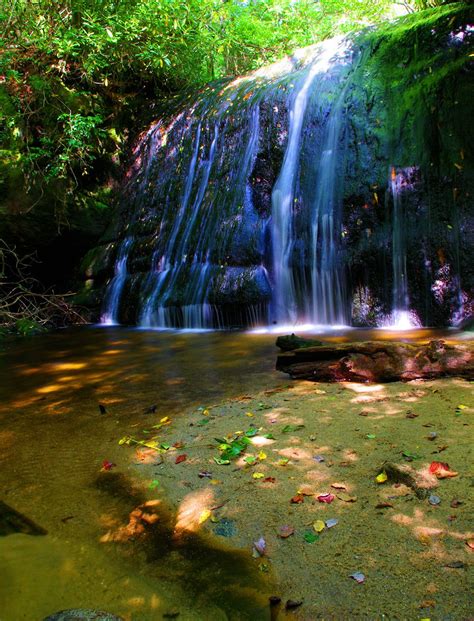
x: 117, y: 538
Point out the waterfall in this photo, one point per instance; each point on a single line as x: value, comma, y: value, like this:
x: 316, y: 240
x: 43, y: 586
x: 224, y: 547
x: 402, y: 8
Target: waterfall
x: 114, y: 290
x: 327, y: 289
x: 260, y: 204
x: 400, y: 318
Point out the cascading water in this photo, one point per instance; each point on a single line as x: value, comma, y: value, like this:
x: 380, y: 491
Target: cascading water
x: 322, y: 300
x: 400, y: 317
x: 114, y: 290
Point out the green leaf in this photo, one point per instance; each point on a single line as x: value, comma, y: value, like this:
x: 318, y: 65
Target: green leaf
x: 221, y: 462
x: 310, y: 537
x: 290, y: 428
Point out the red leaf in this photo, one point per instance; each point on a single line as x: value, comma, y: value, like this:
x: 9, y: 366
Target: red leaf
x: 269, y: 480
x: 107, y: 465
x: 327, y: 498
x: 441, y: 470
x: 297, y: 499
x: 180, y: 458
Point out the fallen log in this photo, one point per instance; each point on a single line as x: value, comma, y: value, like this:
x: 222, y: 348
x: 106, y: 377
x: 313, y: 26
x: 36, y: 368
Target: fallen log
x: 379, y: 361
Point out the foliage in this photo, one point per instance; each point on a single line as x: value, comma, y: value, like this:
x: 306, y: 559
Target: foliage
x: 75, y: 74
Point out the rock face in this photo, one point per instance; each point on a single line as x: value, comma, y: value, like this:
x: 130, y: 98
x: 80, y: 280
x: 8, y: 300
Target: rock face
x: 378, y: 361
x: 333, y: 187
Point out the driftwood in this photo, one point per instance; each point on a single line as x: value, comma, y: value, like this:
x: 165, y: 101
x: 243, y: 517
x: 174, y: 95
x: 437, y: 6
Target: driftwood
x: 378, y: 361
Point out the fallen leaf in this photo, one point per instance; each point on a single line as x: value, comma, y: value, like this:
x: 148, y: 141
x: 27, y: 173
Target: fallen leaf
x: 338, y: 486
x: 441, y: 470
x: 455, y: 565
x: 289, y: 428
x: 358, y: 577
x: 178, y: 445
x: 269, y: 480
x: 204, y: 515
x: 221, y: 462
x: 299, y: 498
x: 371, y: 436
x: 204, y: 474
x: 262, y: 456
x: 410, y: 456
x: 283, y: 461
x: 215, y: 482
x: 260, y: 546
x: 346, y: 497
x: 310, y: 537
x: 257, y: 475
x: 326, y: 498
x: 285, y: 531
x: 249, y: 414
x: 180, y: 458
x: 154, y: 484
x: 382, y: 477
x: 107, y: 465
x: 250, y: 459
x: 292, y: 604
x: 319, y: 526
x: 305, y: 490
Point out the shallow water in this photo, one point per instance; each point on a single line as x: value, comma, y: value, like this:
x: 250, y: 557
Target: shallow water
x: 53, y: 441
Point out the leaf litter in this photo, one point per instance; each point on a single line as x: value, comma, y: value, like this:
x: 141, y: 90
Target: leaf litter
x: 235, y: 449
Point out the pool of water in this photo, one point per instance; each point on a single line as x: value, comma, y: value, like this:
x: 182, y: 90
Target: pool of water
x: 54, y: 440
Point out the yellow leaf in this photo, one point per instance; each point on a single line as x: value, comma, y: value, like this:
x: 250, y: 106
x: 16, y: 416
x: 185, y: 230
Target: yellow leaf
x: 262, y: 455
x: 165, y: 419
x: 382, y: 477
x: 257, y: 475
x: 319, y: 526
x: 205, y: 515
x: 461, y: 407
x: 205, y: 412
x: 248, y: 414
x: 215, y: 482
x: 283, y: 462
